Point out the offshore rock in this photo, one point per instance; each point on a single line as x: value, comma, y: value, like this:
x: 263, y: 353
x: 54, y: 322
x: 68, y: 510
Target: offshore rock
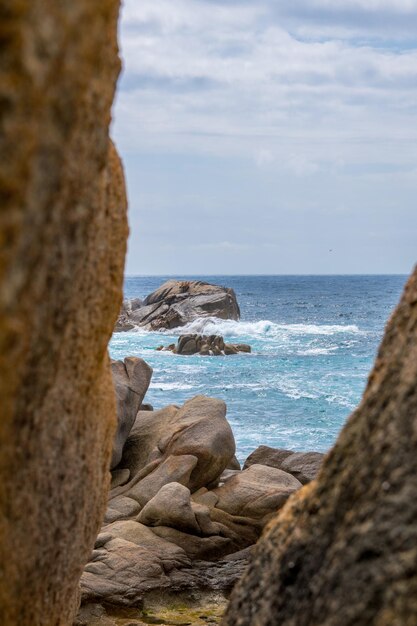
x: 62, y: 244
x: 205, y: 345
x: 177, y: 303
x: 344, y: 549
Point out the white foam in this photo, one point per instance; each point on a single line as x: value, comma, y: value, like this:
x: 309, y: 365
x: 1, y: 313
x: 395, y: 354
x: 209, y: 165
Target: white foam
x: 262, y: 329
x: 291, y: 388
x: 318, y: 351
x: 171, y: 386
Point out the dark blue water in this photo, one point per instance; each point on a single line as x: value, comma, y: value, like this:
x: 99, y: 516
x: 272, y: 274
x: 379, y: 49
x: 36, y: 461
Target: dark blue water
x: 314, y: 339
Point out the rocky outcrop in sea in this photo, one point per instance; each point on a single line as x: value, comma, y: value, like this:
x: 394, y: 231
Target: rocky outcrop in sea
x: 205, y: 345
x: 182, y: 515
x: 176, y: 303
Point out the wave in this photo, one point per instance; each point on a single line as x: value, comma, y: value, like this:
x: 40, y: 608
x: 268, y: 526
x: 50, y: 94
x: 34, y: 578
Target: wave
x: 261, y: 329
x: 171, y: 386
x: 318, y: 351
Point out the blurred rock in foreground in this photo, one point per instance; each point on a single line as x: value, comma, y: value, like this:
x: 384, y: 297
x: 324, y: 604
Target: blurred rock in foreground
x: 62, y: 244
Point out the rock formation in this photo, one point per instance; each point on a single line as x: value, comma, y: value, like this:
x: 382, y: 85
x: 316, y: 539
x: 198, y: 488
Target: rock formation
x: 177, y: 303
x: 205, y: 345
x: 303, y: 465
x: 62, y: 244
x: 131, y: 379
x: 344, y: 549
x: 179, y: 508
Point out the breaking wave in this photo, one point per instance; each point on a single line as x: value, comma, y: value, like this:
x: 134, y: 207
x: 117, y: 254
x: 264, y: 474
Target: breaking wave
x: 260, y: 329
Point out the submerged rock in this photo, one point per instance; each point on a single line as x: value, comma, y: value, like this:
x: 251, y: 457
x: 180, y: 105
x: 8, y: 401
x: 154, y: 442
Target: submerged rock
x: 63, y: 233
x: 344, y: 549
x: 177, y: 303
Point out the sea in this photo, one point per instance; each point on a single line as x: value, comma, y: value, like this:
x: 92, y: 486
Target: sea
x: 313, y: 339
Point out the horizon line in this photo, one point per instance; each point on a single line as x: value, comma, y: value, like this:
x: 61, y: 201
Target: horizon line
x: 267, y: 274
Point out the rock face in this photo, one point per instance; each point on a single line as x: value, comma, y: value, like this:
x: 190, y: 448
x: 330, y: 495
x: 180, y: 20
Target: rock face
x: 205, y: 345
x: 62, y: 244
x: 131, y: 379
x: 179, y: 503
x: 344, y: 549
x: 177, y: 303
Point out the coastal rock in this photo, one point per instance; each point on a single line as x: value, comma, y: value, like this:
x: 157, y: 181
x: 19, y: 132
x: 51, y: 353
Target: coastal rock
x: 343, y: 550
x: 199, y: 428
x: 171, y: 507
x: 173, y: 461
x: 303, y: 465
x: 131, y: 379
x: 265, y: 455
x: 205, y: 345
x: 256, y: 491
x: 128, y: 307
x: 132, y: 561
x: 175, y: 468
x: 63, y: 235
x: 177, y: 303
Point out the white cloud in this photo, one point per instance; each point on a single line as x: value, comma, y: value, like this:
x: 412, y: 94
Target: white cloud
x: 217, y: 79
x: 318, y: 97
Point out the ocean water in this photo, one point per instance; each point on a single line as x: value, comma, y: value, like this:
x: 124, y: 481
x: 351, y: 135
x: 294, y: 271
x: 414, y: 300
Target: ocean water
x: 313, y: 338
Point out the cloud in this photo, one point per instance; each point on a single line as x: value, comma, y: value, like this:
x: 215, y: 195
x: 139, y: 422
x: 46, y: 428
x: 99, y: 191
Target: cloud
x: 224, y: 77
x: 310, y: 99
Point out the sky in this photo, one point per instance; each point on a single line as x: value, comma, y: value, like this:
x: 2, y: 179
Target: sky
x: 269, y: 136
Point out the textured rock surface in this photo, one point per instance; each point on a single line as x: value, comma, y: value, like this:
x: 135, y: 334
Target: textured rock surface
x: 176, y: 303
x: 62, y: 243
x: 199, y: 428
x: 131, y: 379
x: 343, y: 551
x: 166, y: 518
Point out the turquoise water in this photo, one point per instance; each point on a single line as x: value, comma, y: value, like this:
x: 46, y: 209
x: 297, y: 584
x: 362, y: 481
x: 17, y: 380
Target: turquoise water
x: 313, y: 342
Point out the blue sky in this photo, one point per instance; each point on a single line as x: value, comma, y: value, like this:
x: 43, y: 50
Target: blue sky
x: 269, y: 136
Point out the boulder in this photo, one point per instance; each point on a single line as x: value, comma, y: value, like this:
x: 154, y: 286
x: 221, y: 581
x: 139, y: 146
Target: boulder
x: 199, y: 428
x: 242, y: 347
x: 256, y: 491
x: 171, y: 506
x: 131, y: 379
x: 265, y: 455
x: 141, y: 446
x: 177, y: 303
x: 63, y: 236
x: 303, y: 465
x: 175, y: 468
x: 344, y: 549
